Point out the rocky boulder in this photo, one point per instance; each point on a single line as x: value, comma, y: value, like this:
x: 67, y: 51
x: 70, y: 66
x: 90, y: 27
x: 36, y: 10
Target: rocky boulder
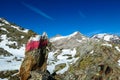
x: 34, y: 66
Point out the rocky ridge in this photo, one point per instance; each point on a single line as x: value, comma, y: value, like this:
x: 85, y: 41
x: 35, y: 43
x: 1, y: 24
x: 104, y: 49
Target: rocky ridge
x: 72, y: 57
x: 12, y: 45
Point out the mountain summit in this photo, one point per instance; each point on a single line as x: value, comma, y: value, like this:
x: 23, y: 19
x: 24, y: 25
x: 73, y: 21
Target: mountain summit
x: 69, y: 41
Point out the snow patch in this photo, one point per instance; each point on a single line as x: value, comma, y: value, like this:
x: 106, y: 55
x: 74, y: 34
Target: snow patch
x: 4, y: 79
x: 117, y: 48
x: 119, y: 62
x: 107, y: 45
x: 57, y: 38
x: 17, y: 27
x: 4, y: 29
x: 79, y: 40
x: 107, y: 37
x: 8, y: 63
x: 61, y: 58
x: 25, y: 31
x: 100, y: 35
x: 12, y: 42
x: 4, y: 21
x: 83, y: 38
x: 92, y: 52
x: 16, y: 52
x: 1, y: 24
x: 71, y: 35
x: 22, y: 37
x: 64, y: 69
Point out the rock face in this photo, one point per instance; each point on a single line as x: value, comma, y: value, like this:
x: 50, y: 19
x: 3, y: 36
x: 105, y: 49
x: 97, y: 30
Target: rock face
x: 34, y: 66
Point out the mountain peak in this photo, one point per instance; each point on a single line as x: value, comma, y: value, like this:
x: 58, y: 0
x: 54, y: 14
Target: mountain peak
x: 3, y: 21
x: 68, y: 41
x: 107, y: 37
x: 64, y: 37
x: 74, y: 34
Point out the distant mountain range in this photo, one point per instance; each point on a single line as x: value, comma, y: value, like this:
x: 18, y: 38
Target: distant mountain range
x: 72, y: 57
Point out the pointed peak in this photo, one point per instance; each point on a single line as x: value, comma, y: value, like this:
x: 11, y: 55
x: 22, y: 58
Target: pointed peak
x: 75, y: 33
x: 44, y: 35
x: 4, y: 20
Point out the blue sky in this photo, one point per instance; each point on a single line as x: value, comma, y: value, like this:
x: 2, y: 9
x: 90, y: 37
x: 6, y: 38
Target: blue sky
x: 64, y: 16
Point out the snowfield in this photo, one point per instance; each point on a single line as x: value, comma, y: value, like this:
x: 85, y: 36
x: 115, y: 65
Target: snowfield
x: 15, y: 52
x: 9, y: 63
x: 106, y: 37
x: 62, y: 58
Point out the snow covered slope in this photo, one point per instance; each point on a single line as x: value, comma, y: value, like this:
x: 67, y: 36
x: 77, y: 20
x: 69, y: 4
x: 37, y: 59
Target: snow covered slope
x: 61, y: 57
x: 75, y: 34
x: 69, y: 41
x: 12, y: 45
x: 107, y: 37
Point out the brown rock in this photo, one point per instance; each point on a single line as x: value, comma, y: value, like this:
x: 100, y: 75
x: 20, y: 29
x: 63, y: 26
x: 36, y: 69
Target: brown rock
x: 35, y: 60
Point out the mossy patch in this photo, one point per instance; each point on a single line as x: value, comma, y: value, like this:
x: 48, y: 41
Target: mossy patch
x: 84, y: 63
x: 60, y: 66
x: 7, y: 74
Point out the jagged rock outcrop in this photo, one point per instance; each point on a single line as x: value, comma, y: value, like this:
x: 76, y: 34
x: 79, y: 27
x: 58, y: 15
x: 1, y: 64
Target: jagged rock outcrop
x: 34, y: 66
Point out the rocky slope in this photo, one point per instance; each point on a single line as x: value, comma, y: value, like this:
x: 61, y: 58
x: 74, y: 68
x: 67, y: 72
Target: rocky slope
x: 12, y: 45
x: 96, y: 58
x: 72, y: 57
x: 95, y: 61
